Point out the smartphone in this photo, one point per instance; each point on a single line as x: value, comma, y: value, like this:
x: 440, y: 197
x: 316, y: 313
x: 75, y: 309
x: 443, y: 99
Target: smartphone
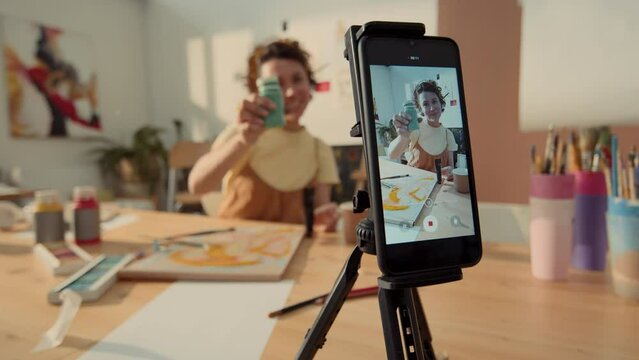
x: 420, y: 223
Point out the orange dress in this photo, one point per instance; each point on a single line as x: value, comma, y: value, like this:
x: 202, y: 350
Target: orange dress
x: 438, y: 140
x: 268, y: 183
x: 249, y: 197
x: 423, y: 160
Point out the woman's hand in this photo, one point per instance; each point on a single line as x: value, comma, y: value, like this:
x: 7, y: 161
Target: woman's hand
x: 401, y: 121
x: 447, y: 173
x: 250, y: 119
x: 326, y: 217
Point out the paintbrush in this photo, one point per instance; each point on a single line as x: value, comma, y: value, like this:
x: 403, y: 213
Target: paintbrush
x: 563, y: 159
x: 587, y: 142
x: 354, y: 293
x: 560, y: 154
x: 549, y: 150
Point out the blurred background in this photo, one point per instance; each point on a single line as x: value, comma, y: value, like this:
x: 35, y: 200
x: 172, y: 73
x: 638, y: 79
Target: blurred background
x: 176, y: 69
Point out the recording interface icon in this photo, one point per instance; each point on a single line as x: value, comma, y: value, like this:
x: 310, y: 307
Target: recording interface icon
x: 430, y: 223
x: 456, y: 222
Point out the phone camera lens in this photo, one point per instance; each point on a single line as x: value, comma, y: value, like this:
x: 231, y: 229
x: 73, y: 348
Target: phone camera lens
x: 411, y: 43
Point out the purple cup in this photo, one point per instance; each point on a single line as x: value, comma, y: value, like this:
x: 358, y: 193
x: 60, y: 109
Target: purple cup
x: 590, y: 243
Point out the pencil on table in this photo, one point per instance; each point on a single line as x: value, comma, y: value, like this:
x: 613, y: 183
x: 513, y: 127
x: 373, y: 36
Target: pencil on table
x: 354, y: 293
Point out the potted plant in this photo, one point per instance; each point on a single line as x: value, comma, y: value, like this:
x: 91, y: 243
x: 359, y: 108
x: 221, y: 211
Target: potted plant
x: 135, y: 170
x: 386, y: 133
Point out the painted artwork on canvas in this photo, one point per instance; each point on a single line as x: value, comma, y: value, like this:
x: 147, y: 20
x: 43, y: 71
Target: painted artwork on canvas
x: 251, y: 254
x: 51, y: 81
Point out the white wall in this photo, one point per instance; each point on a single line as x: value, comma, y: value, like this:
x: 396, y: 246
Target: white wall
x: 228, y: 29
x: 116, y: 29
x: 578, y: 63
x: 392, y: 86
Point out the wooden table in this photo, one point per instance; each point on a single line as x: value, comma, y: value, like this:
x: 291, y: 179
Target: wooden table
x: 497, y: 312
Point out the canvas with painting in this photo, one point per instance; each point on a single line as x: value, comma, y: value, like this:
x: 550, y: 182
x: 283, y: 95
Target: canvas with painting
x: 51, y: 81
x: 246, y: 254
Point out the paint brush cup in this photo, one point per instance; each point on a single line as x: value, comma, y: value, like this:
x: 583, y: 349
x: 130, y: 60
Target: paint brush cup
x: 623, y: 236
x: 590, y: 244
x: 552, y: 211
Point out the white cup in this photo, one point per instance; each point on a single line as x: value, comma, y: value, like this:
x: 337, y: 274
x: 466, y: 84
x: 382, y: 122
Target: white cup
x: 461, y: 161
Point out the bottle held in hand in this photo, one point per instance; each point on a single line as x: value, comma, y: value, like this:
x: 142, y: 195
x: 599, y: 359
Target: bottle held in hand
x: 411, y: 111
x: 269, y: 87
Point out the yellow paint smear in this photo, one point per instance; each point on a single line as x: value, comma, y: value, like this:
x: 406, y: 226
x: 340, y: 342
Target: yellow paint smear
x: 392, y: 196
x: 413, y: 194
x: 395, y: 207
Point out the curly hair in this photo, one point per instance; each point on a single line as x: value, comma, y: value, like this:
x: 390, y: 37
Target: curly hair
x: 428, y: 86
x: 278, y: 49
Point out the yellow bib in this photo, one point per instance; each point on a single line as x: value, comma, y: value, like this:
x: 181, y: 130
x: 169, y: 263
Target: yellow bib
x: 285, y: 160
x: 432, y: 140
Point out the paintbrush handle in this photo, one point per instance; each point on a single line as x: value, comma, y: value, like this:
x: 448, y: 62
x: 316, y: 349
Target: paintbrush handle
x: 354, y: 293
x: 199, y: 233
x: 288, y: 309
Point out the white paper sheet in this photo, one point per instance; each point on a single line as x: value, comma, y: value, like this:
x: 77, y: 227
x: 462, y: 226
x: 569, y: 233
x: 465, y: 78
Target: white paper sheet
x: 198, y: 320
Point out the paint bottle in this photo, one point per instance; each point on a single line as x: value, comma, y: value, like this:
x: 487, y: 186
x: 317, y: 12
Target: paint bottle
x: 48, y: 216
x: 86, y: 215
x: 269, y: 87
x: 411, y: 111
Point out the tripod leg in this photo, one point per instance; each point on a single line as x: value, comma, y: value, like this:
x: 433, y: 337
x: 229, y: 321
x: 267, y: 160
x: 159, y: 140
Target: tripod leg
x: 420, y: 320
x: 316, y: 335
x: 406, y: 331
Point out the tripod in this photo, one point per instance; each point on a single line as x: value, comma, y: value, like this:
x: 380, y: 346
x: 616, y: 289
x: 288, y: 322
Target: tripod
x: 406, y: 333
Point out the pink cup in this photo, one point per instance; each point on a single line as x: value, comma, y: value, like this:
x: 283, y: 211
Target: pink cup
x: 552, y: 211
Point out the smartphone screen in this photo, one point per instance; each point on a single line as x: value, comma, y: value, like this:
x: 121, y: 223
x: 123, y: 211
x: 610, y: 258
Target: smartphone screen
x: 426, y: 185
x: 422, y: 164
